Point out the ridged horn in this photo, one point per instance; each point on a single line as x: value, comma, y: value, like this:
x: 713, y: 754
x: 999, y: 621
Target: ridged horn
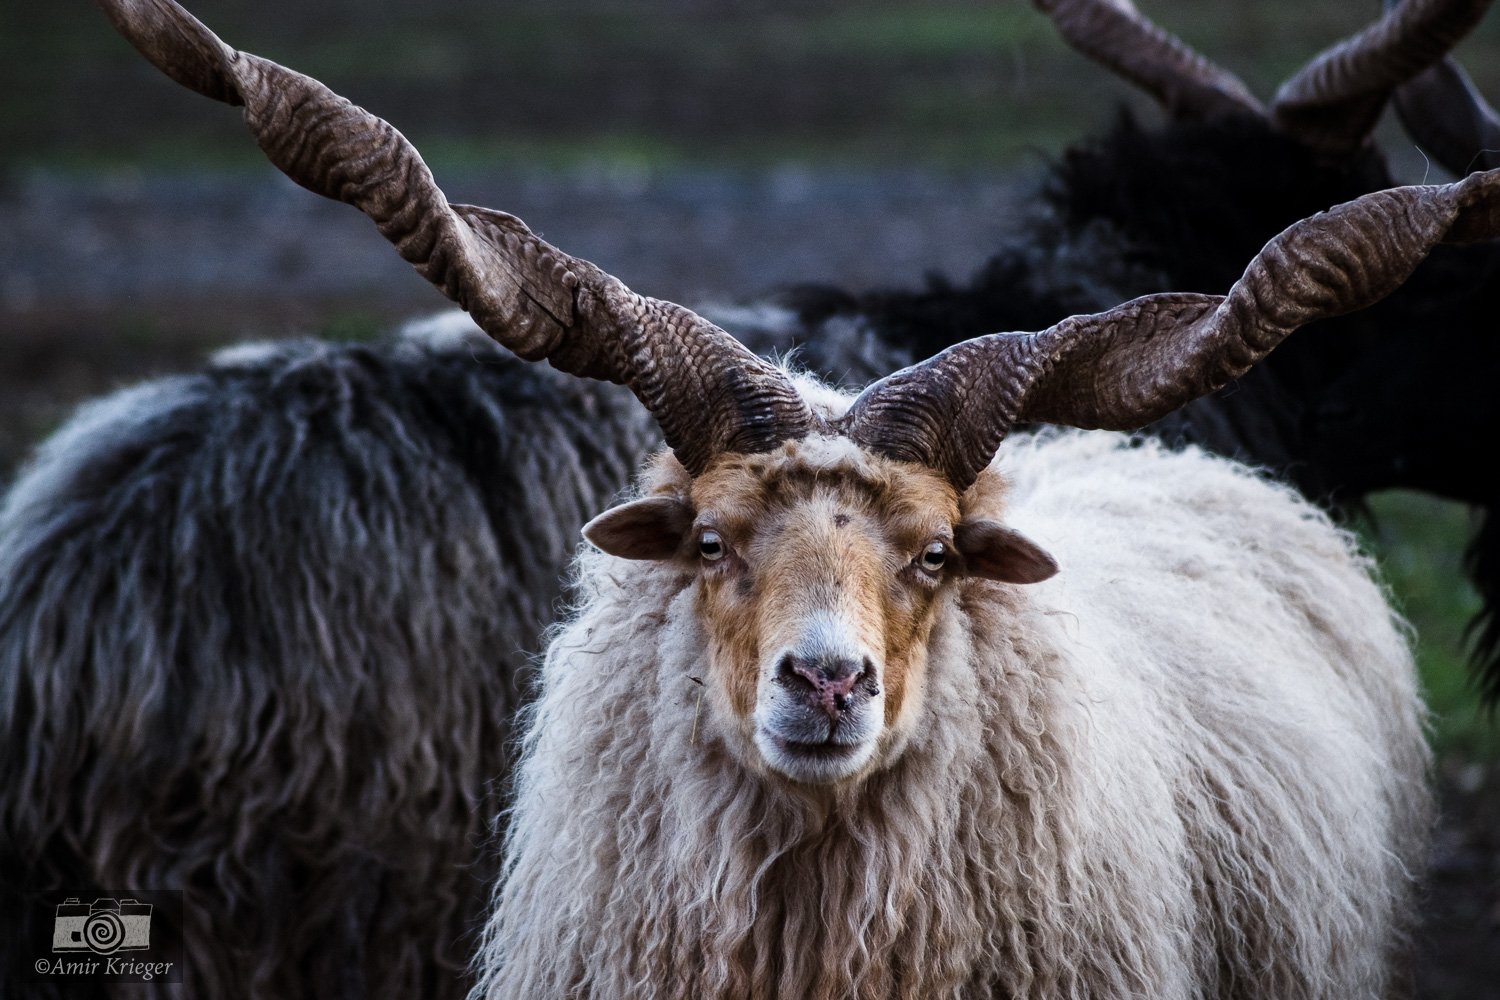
x: 1448, y: 117
x: 1114, y: 34
x: 708, y: 392
x: 1133, y: 364
x: 1333, y: 103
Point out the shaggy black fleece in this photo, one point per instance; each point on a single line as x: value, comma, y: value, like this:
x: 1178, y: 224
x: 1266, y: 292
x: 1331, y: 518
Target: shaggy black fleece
x: 262, y: 635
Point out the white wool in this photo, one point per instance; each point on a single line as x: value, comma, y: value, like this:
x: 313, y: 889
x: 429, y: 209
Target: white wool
x: 1189, y: 765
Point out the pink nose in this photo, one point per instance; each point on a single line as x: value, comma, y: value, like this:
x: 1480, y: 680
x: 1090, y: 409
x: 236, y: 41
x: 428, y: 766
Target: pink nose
x: 828, y: 682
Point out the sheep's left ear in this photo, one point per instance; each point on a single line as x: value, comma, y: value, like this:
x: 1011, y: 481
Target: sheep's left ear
x: 993, y: 551
x: 648, y: 528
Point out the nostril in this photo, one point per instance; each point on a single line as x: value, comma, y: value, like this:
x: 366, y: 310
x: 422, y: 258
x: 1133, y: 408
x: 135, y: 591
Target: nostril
x: 792, y: 673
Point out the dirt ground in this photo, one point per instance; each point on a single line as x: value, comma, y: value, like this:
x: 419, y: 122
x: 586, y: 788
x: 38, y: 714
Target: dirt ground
x: 1458, y: 954
x: 106, y: 281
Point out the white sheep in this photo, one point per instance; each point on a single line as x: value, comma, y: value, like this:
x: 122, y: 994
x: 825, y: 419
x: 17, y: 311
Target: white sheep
x: 1189, y: 765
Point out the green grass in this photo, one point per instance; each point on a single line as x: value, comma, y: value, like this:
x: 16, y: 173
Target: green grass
x: 355, y: 326
x: 1419, y: 542
x: 921, y: 32
x: 964, y: 83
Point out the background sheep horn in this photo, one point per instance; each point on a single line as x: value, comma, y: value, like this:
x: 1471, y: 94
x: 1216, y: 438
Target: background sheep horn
x: 1123, y: 368
x: 1450, y: 119
x: 1334, y: 101
x: 1445, y: 113
x: 1114, y: 34
x: 708, y: 393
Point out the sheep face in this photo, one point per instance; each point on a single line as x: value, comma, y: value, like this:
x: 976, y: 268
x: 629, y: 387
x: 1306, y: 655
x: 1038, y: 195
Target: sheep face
x: 820, y: 570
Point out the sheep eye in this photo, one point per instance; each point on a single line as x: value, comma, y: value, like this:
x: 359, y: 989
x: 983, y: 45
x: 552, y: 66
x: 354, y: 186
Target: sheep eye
x: 934, y: 556
x: 711, y: 546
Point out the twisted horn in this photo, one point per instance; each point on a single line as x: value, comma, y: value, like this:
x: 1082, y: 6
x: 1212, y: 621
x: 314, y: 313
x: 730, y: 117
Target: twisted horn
x: 1445, y: 113
x: 1124, y: 368
x: 708, y: 392
x: 1333, y: 102
x: 1114, y: 34
x: 1447, y: 116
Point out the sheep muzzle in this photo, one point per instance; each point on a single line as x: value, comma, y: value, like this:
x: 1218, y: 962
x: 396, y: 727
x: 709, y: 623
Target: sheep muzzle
x: 820, y: 709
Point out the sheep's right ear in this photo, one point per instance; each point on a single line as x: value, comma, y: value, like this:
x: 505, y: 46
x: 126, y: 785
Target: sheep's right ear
x: 649, y: 528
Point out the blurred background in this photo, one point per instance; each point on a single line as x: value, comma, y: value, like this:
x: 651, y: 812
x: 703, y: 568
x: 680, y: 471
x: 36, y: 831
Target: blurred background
x: 699, y: 149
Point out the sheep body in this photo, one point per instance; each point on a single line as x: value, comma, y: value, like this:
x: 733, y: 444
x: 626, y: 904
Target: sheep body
x: 1191, y: 765
x: 262, y: 629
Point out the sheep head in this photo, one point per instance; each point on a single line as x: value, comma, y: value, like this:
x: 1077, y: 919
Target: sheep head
x: 818, y: 571
x: 816, y: 537
x: 812, y: 589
